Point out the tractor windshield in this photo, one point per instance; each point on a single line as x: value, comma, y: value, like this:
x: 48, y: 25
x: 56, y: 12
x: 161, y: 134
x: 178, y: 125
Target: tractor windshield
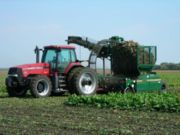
x: 49, y: 56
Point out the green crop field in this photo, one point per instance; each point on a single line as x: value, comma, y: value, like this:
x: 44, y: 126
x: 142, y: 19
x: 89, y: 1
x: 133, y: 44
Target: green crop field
x: 49, y: 116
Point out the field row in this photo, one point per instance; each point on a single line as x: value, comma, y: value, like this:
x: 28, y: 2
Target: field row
x: 164, y: 102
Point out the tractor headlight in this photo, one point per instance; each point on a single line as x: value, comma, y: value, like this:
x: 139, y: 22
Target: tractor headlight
x: 12, y: 75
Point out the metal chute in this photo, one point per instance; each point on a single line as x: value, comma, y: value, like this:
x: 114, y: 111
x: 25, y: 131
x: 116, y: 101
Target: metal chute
x: 85, y: 43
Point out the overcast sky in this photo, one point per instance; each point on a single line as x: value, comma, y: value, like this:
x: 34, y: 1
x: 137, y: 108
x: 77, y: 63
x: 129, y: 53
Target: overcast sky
x: 27, y: 23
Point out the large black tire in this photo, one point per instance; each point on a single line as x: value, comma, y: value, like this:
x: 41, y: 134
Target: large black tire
x: 70, y: 79
x: 16, y: 91
x: 84, y: 81
x: 40, y: 86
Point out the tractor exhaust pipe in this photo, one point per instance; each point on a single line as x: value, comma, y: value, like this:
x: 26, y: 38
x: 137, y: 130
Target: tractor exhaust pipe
x: 37, y: 52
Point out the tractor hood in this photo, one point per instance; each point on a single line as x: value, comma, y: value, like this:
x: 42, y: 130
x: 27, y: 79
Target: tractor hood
x: 33, y: 69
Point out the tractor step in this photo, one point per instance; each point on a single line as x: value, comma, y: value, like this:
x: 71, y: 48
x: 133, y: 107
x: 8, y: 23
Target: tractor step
x: 63, y: 85
x: 62, y: 81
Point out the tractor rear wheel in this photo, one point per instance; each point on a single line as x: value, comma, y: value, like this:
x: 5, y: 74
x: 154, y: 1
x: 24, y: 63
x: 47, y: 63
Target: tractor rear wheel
x: 84, y: 81
x: 40, y: 86
x: 70, y: 78
x: 16, y: 91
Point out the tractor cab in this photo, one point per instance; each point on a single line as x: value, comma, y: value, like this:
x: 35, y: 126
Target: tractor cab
x: 58, y: 57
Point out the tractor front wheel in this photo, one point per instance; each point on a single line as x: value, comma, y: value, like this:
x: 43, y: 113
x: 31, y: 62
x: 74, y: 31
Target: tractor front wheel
x: 40, y: 86
x: 16, y: 91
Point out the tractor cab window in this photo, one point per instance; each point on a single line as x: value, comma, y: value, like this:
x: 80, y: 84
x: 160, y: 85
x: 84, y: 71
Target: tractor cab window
x: 50, y: 56
x: 73, y: 56
x: 65, y: 57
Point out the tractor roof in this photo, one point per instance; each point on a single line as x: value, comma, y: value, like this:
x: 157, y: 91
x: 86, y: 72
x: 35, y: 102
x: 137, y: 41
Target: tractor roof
x: 59, y: 47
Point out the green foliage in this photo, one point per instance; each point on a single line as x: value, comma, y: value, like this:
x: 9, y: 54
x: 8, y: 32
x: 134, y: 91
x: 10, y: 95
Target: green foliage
x: 144, y: 101
x: 168, y: 102
x: 172, y: 79
x: 2, y: 82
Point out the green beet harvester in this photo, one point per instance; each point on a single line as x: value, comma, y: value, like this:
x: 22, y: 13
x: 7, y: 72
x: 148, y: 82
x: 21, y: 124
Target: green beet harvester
x: 131, y: 64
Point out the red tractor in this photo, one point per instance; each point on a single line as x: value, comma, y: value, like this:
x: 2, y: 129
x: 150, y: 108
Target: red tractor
x: 58, y: 71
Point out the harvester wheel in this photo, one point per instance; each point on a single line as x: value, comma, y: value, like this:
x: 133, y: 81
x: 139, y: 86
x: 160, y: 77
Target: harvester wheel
x: 40, y: 86
x: 129, y: 90
x: 84, y: 81
x: 16, y: 92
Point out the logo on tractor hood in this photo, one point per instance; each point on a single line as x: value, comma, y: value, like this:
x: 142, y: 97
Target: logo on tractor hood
x: 32, y: 68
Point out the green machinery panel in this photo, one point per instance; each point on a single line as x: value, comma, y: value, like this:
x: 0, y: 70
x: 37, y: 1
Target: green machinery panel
x: 148, y: 82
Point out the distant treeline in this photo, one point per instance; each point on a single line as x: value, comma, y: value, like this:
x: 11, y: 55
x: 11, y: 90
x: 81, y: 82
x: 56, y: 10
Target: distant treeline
x: 167, y: 66
x: 162, y: 66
